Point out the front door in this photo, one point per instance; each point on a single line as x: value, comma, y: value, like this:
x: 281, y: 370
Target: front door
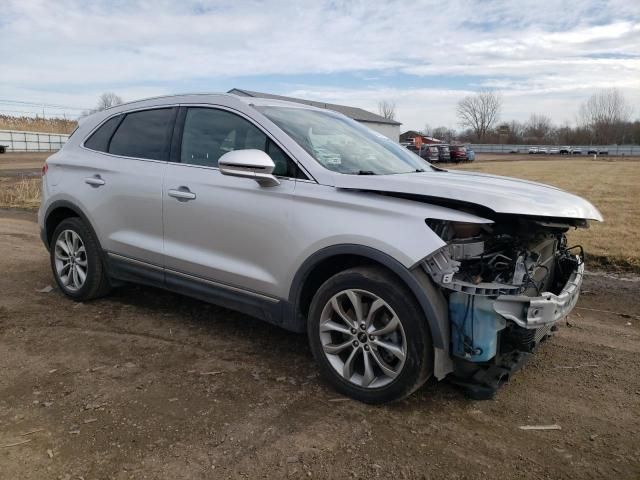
x: 228, y: 230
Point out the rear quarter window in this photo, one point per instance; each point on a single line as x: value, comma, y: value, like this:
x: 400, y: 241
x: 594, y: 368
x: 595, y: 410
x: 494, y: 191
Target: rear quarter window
x: 99, y: 140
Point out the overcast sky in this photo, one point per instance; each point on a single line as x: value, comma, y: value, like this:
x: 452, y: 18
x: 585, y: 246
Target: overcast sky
x: 545, y: 56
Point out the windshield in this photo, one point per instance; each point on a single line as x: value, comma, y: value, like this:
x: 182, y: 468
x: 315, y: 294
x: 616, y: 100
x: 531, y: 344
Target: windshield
x: 343, y: 145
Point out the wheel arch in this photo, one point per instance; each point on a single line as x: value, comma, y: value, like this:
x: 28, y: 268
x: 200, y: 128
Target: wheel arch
x: 330, y: 260
x: 59, y: 211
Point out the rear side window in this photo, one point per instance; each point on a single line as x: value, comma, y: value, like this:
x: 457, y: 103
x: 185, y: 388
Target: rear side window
x: 144, y: 134
x: 100, y: 139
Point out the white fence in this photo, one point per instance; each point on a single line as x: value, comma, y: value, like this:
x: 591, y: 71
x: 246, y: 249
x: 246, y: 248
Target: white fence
x: 611, y: 149
x: 19, y: 141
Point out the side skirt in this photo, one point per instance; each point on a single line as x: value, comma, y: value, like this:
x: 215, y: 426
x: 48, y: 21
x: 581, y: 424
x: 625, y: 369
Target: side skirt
x: 263, y: 307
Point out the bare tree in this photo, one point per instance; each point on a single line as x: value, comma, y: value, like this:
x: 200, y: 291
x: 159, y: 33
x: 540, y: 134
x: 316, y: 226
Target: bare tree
x: 480, y: 112
x: 516, y: 132
x: 387, y: 108
x: 539, y: 127
x: 427, y: 130
x: 445, y: 134
x: 606, y: 114
x: 106, y: 100
x: 467, y: 135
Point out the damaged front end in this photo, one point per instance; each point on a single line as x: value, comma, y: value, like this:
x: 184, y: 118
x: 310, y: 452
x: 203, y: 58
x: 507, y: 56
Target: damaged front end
x: 507, y: 284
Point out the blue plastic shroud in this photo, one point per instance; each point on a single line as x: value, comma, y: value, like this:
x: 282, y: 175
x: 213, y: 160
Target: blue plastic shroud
x: 474, y: 327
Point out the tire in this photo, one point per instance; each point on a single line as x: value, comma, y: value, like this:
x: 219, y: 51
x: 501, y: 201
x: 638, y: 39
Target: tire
x: 370, y: 284
x: 88, y: 259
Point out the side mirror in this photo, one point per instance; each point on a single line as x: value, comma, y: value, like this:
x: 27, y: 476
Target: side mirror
x: 254, y: 164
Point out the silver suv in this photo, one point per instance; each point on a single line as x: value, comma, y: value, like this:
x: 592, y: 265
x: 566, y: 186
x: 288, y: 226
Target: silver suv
x: 395, y: 269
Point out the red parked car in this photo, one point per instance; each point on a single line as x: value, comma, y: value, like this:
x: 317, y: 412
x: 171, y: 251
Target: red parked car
x: 458, y: 153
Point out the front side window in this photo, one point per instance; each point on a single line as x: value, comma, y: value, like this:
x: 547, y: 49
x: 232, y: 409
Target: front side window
x: 210, y: 133
x: 343, y: 145
x: 145, y: 134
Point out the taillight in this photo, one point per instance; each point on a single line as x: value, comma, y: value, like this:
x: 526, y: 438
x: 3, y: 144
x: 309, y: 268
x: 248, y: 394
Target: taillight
x: 45, y: 167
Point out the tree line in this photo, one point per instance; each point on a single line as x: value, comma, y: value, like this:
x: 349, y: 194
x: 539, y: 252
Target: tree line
x: 603, y: 119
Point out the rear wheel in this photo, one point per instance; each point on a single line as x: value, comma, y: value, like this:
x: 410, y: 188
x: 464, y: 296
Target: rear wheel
x: 369, y: 336
x: 76, y: 262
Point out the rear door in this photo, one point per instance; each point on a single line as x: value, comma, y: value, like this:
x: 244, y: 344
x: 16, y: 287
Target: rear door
x: 226, y: 229
x: 123, y: 185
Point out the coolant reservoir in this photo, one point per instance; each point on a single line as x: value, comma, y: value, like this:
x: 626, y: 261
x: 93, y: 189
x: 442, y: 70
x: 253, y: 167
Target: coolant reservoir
x: 474, y: 327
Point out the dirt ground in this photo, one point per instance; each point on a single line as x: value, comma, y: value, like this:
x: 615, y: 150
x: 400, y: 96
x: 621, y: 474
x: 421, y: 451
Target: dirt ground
x: 147, y: 384
x: 22, y: 164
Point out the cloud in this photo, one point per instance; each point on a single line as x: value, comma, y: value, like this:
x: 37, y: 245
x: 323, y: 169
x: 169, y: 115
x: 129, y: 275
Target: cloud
x: 534, y: 51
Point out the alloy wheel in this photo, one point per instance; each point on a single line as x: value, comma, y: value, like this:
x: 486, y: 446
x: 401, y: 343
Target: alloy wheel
x: 70, y: 260
x: 363, y: 338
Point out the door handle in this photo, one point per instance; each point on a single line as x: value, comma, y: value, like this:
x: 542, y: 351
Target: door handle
x: 95, y: 181
x: 182, y: 193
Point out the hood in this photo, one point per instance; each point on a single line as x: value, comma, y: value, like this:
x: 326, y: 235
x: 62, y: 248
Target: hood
x: 500, y: 194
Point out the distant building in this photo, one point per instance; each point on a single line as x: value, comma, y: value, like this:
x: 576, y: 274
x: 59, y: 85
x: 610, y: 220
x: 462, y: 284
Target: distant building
x: 503, y: 133
x: 388, y: 128
x: 410, y: 135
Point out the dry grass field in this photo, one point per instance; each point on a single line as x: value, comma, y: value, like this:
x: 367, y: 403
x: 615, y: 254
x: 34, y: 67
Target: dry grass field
x: 37, y: 124
x: 20, y: 193
x: 611, y: 185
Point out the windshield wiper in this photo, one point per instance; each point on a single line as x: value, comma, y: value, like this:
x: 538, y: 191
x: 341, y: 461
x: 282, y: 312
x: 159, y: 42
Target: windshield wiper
x: 419, y: 170
x: 366, y: 172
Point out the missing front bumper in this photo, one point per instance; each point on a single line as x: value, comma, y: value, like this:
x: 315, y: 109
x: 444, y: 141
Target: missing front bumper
x: 548, y: 308
x: 483, y: 326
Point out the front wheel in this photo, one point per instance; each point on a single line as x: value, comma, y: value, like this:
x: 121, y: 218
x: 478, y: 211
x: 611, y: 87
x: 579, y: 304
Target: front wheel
x: 369, y: 336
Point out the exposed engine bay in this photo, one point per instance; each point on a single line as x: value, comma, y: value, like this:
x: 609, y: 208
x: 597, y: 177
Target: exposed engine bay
x: 507, y: 283
x: 523, y: 257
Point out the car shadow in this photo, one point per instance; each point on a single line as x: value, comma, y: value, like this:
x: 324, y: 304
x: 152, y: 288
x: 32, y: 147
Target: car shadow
x: 281, y: 349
